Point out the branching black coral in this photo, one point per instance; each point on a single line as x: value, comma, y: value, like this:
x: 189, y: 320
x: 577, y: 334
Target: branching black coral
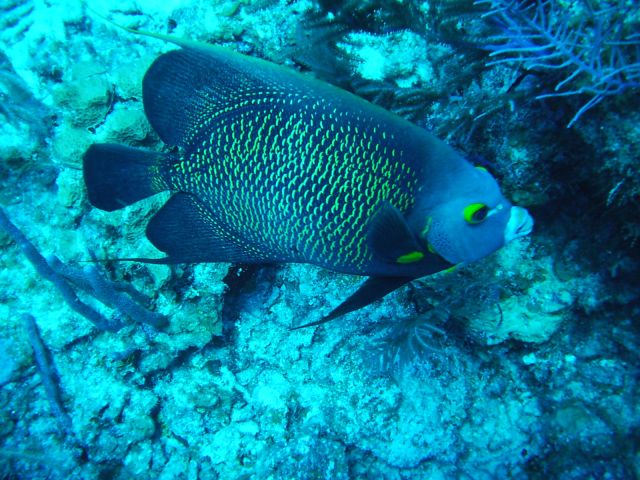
x: 595, y: 52
x: 122, y: 298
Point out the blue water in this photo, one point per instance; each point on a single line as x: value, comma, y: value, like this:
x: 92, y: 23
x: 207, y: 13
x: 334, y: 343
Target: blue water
x: 521, y: 365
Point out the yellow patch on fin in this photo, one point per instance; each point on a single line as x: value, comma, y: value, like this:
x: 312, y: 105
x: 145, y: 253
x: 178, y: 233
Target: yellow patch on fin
x: 410, y: 257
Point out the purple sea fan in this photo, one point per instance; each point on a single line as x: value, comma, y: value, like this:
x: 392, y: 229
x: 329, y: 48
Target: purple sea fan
x: 593, y: 46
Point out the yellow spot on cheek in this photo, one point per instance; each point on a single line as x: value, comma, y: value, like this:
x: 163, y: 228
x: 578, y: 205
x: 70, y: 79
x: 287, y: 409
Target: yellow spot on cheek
x: 410, y: 257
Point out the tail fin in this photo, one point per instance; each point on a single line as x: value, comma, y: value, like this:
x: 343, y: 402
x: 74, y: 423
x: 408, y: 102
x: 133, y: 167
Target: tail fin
x: 117, y: 175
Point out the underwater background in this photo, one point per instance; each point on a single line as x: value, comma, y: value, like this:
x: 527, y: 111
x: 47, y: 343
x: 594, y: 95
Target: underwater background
x: 523, y: 365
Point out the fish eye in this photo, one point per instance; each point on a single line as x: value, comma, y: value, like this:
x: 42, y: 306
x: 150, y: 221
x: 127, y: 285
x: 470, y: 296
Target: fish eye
x: 475, y: 213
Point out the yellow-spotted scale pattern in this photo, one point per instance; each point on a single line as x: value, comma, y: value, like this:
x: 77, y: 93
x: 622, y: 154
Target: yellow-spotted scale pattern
x: 290, y: 177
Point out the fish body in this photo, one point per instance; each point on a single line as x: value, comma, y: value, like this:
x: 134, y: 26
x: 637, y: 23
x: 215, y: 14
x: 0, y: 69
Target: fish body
x: 271, y: 166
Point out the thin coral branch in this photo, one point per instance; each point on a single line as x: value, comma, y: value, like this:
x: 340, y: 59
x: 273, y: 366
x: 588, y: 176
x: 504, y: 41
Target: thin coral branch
x: 122, y: 298
x: 51, y: 383
x: 45, y: 270
x: 48, y: 375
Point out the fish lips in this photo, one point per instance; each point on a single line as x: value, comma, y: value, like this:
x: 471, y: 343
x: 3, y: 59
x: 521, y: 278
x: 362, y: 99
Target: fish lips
x: 520, y: 224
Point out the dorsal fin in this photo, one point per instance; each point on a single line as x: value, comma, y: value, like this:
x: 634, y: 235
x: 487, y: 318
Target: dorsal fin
x: 185, y: 90
x: 174, y: 92
x: 181, y: 42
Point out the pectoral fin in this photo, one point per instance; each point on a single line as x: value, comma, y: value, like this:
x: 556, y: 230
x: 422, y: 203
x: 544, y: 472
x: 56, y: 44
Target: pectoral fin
x: 391, y: 239
x: 370, y: 291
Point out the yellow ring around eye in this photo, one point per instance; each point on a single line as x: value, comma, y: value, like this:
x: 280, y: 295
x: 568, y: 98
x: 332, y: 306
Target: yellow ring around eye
x: 475, y: 213
x: 482, y: 168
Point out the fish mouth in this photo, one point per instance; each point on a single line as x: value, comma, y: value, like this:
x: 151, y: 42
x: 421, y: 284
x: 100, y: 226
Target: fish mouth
x: 520, y: 224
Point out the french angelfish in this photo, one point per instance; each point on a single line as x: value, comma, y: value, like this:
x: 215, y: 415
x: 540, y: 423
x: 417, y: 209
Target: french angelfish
x: 271, y: 166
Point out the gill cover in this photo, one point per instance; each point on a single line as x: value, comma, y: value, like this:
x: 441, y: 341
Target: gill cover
x: 475, y: 220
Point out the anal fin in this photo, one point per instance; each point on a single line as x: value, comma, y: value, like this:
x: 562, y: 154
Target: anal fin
x: 188, y: 232
x: 371, y: 290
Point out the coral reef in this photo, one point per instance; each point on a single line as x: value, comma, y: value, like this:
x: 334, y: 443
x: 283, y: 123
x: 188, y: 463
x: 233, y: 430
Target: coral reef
x: 521, y: 366
x: 593, y: 48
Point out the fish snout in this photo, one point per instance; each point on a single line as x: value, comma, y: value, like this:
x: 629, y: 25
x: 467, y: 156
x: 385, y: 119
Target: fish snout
x: 520, y: 224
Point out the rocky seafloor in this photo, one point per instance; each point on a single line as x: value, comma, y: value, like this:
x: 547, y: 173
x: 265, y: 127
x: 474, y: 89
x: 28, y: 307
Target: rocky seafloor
x: 524, y: 365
